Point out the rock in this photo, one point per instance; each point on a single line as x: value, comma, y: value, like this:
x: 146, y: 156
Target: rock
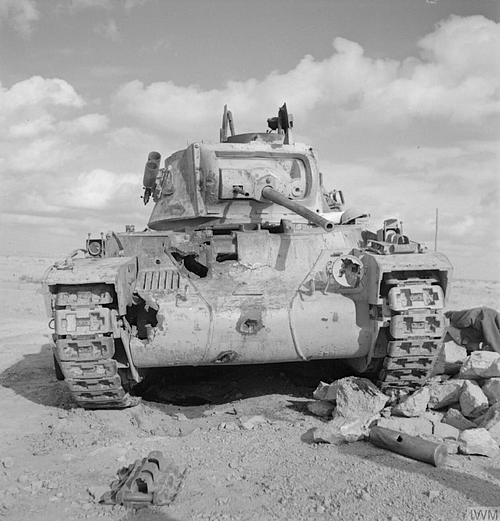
x: 492, y: 390
x: 412, y: 426
x: 187, y: 429
x: 320, y: 391
x: 36, y: 486
x: 229, y: 426
x: 473, y: 401
x: 480, y: 419
x: 433, y: 494
x: 481, y: 364
x: 478, y: 441
x: 450, y: 359
x: 434, y: 417
x: 97, y: 492
x: 445, y: 393
x: 396, y: 396
x: 358, y: 404
x: 249, y: 423
x: 451, y: 445
x: 491, y: 417
x: 341, y: 430
x: 386, y: 412
x: 326, y: 391
x: 491, y: 422
x: 413, y: 405
x: 494, y: 431
x: 68, y: 457
x: 8, y: 462
x: 446, y: 431
x: 8, y: 503
x: 456, y: 419
x: 321, y: 408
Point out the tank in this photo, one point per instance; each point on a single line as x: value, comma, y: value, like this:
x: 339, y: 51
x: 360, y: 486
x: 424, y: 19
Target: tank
x: 246, y: 259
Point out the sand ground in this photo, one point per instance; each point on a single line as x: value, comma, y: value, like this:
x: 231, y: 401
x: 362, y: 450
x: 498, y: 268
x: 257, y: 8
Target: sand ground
x: 56, y: 458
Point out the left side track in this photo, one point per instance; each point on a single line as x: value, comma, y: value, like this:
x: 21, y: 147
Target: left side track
x: 86, y: 340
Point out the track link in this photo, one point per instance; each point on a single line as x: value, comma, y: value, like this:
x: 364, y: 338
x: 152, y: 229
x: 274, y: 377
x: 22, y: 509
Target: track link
x: 86, y: 327
x: 409, y: 346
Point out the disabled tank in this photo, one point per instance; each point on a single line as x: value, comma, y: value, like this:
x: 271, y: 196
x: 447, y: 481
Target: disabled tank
x: 246, y: 259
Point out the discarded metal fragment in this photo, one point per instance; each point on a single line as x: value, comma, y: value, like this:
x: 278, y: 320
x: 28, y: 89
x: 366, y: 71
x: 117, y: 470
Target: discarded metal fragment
x: 411, y: 446
x: 148, y: 481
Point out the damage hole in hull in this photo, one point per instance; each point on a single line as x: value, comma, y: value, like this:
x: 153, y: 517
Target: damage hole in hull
x: 142, y: 316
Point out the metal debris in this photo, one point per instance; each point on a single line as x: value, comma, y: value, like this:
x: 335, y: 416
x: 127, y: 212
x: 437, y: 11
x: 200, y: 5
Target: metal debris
x: 149, y: 481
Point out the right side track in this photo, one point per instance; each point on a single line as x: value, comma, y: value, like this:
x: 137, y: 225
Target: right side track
x: 407, y: 349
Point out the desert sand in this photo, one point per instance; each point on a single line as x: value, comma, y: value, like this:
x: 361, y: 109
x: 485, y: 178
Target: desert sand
x: 56, y: 459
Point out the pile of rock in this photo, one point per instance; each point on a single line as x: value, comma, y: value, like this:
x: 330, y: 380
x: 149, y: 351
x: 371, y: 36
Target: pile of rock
x: 462, y: 410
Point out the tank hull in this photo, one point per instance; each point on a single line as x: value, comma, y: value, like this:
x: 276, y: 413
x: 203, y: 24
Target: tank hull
x: 254, y: 309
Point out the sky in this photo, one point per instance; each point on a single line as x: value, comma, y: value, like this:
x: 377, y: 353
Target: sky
x: 400, y: 98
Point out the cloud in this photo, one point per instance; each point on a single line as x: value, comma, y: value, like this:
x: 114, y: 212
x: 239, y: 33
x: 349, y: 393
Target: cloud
x: 37, y: 106
x: 131, y: 4
x: 19, y: 14
x: 109, y: 30
x: 38, y: 127
x: 87, y: 124
x: 61, y: 165
x: 38, y: 92
x: 108, y: 5
x: 92, y: 4
x: 460, y: 181
x: 31, y: 128
x: 96, y: 189
x: 454, y: 79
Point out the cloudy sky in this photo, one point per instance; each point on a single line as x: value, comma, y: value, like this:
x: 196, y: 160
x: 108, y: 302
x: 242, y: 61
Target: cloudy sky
x: 401, y: 99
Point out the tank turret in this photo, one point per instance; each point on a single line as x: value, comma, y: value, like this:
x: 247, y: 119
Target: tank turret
x: 252, y: 179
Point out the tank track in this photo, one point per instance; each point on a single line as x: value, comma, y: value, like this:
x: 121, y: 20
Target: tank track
x: 407, y: 349
x: 86, y: 333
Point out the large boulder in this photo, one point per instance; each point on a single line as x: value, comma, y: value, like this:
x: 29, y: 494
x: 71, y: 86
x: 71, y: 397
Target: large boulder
x: 359, y: 402
x: 413, y: 405
x: 321, y: 408
x: 478, y: 441
x: 473, y: 401
x: 456, y: 419
x: 481, y: 364
x: 492, y: 390
x: 326, y: 391
x: 491, y: 422
x: 450, y: 359
x: 413, y: 426
x: 434, y: 417
x: 445, y: 393
x: 446, y: 431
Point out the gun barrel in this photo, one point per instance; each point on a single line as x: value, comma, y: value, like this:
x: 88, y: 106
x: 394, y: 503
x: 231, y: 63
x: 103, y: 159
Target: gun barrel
x: 273, y: 195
